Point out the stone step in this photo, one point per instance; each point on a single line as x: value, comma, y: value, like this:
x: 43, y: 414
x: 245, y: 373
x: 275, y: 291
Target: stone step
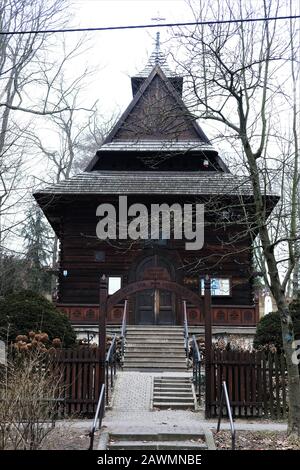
x: 164, y: 436
x: 180, y: 387
x: 160, y: 334
x: 150, y: 354
x: 180, y: 391
x: 154, y: 341
x: 152, y: 337
x: 174, y: 398
x: 154, y: 359
x: 173, y: 406
x: 155, y: 349
x: 154, y: 445
x: 153, y: 327
x: 173, y: 380
x: 169, y: 389
x: 156, y: 368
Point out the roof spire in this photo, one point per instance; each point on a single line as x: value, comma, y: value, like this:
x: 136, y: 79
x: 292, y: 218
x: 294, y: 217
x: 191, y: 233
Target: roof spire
x: 157, y: 48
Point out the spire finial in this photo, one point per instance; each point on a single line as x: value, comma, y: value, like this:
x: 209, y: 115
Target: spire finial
x: 157, y: 19
x: 157, y: 47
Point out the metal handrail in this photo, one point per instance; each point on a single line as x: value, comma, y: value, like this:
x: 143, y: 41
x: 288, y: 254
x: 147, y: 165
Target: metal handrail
x: 109, y: 354
x: 196, y: 352
x: 110, y: 362
x: 98, y: 415
x: 196, y: 367
x: 123, y: 329
x: 228, y: 406
x: 186, y: 330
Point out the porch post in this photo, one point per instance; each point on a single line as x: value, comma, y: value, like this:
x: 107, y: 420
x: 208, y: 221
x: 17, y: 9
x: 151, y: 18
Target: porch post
x: 102, y: 325
x: 208, y: 344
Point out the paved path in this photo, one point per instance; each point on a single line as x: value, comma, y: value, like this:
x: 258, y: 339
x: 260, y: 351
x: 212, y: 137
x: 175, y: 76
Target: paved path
x: 131, y: 411
x: 131, y: 408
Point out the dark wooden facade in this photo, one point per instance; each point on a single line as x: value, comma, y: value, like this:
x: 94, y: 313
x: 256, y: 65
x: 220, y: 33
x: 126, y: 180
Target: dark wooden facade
x: 156, y: 153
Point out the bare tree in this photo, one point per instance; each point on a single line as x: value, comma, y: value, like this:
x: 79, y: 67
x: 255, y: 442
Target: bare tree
x: 238, y: 75
x: 22, y: 59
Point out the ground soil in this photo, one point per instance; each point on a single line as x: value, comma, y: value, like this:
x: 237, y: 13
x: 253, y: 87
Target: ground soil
x: 256, y: 440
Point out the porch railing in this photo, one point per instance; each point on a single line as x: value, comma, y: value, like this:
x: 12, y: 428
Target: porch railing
x: 196, y: 358
x: 186, y: 330
x: 110, y: 367
x: 225, y: 396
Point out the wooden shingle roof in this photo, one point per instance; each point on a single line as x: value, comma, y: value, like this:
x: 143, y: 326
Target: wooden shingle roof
x: 152, y: 182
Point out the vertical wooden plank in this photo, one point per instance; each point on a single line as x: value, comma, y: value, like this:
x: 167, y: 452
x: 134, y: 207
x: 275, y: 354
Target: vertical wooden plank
x: 242, y: 383
x: 218, y: 379
x: 258, y: 362
x: 229, y: 375
x: 97, y: 365
x: 277, y: 385
x: 283, y: 385
x: 81, y: 407
x: 270, y: 384
x: 246, y: 361
x: 265, y: 375
x: 236, y: 384
x: 67, y: 355
x: 253, y: 383
x: 85, y: 379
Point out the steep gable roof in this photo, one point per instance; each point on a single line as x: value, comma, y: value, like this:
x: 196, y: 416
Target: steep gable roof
x: 158, y: 112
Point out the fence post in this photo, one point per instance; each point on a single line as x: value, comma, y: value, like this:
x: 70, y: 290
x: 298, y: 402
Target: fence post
x: 208, y: 344
x: 102, y: 327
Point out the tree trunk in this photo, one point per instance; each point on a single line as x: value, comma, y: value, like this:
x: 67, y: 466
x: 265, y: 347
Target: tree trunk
x: 292, y: 369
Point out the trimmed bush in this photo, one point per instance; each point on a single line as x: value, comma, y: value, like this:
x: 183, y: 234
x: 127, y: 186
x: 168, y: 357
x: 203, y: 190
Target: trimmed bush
x: 25, y: 311
x: 268, y: 331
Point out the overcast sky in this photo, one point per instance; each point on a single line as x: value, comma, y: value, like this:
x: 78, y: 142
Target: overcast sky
x: 118, y: 54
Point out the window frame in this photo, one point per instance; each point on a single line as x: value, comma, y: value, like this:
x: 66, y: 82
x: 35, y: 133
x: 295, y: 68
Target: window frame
x: 226, y: 296
x: 117, y: 276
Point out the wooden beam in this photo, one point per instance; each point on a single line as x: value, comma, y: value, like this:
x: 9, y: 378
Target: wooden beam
x: 208, y: 343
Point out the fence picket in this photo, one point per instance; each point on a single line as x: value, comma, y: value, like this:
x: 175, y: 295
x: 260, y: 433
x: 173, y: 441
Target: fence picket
x: 255, y: 383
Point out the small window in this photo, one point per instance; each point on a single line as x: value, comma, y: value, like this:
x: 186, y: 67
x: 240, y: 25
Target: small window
x: 219, y: 286
x: 114, y: 284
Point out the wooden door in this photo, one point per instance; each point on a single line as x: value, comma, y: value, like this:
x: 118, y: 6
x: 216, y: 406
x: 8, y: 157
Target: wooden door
x: 146, y: 307
x: 154, y: 306
x: 166, y: 308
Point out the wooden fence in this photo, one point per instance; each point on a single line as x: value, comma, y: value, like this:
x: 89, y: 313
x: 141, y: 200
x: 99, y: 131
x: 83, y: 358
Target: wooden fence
x: 79, y: 375
x: 256, y: 382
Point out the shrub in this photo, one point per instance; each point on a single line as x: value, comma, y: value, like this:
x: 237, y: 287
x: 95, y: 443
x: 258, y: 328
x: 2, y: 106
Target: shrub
x: 268, y: 331
x: 25, y: 311
x: 29, y: 388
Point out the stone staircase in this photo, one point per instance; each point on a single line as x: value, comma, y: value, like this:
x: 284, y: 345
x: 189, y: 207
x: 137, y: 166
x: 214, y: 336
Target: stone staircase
x: 159, y: 441
x: 173, y: 393
x: 155, y: 348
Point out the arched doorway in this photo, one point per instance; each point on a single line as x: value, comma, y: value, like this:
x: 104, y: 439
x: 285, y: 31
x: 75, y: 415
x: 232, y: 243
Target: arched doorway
x: 155, y: 306
x: 140, y: 286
